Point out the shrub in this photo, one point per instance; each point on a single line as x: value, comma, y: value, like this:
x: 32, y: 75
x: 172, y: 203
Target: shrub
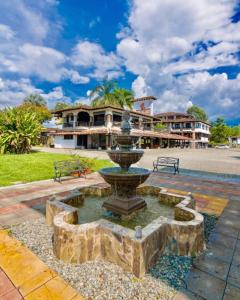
x: 19, y: 130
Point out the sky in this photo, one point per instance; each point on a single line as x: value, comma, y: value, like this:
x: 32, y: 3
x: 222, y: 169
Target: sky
x: 182, y: 52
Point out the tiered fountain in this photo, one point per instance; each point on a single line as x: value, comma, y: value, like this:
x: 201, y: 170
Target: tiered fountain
x: 124, y: 180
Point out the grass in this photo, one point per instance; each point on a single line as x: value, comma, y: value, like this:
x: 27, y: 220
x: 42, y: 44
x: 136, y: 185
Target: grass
x: 35, y: 166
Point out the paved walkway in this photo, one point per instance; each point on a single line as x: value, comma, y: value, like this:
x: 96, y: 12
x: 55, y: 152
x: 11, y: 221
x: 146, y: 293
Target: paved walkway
x: 27, y: 201
x: 24, y: 276
x: 216, y: 273
x: 225, y: 161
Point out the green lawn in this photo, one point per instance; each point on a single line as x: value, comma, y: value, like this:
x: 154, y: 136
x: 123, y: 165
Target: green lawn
x: 35, y: 166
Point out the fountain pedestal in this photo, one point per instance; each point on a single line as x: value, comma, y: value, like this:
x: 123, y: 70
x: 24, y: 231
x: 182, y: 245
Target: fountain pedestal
x: 125, y: 180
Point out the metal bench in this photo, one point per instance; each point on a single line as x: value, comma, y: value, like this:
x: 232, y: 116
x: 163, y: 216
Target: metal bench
x: 66, y: 167
x: 166, y: 162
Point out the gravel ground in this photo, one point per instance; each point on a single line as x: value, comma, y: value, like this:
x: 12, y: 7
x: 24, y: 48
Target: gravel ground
x: 96, y: 279
x: 103, y: 280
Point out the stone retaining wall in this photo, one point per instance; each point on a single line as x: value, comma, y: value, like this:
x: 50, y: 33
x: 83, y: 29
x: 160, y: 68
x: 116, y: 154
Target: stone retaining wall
x: 103, y: 239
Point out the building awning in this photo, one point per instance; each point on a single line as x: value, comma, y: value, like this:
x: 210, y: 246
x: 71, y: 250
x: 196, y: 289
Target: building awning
x: 117, y: 131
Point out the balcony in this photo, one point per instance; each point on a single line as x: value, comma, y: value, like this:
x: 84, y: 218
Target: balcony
x: 68, y: 125
x: 98, y: 123
x: 82, y: 124
x: 116, y: 124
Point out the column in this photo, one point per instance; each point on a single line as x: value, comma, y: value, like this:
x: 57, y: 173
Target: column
x: 140, y: 123
x: 193, y: 144
x: 75, y: 120
x: 108, y: 121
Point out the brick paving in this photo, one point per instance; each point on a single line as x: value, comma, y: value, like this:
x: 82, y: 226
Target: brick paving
x: 27, y: 201
x: 24, y: 276
x: 215, y: 274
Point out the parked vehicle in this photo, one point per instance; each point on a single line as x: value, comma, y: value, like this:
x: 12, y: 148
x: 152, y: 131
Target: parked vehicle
x: 222, y: 147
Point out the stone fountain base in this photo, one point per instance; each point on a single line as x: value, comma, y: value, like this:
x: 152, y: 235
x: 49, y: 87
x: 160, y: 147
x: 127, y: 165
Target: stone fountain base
x: 74, y: 243
x: 124, y: 206
x: 124, y: 200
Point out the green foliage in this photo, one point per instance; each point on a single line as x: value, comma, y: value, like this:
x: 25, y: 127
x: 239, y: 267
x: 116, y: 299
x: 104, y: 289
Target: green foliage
x: 35, y: 99
x: 19, y: 130
x: 123, y: 97
x: 159, y: 127
x: 42, y: 112
x: 61, y: 105
x: 198, y: 113
x: 108, y: 93
x: 36, y: 166
x: 234, y: 131
x: 219, y: 132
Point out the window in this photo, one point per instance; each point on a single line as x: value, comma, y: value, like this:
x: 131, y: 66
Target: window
x: 177, y: 126
x: 198, y: 125
x: 68, y: 137
x: 188, y: 125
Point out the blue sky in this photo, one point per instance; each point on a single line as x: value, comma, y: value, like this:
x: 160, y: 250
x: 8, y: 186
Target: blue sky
x: 182, y: 54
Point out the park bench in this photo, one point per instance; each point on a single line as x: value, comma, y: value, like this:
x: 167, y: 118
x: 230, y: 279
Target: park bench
x: 166, y: 162
x: 68, y: 167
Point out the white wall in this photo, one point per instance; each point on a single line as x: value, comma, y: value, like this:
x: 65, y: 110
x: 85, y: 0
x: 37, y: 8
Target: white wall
x: 59, y: 142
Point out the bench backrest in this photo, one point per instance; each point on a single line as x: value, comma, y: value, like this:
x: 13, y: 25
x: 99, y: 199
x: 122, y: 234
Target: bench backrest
x: 167, y: 160
x: 67, y: 165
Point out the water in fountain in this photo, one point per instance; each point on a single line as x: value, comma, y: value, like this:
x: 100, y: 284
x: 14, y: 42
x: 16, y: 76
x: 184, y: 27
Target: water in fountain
x: 124, y: 179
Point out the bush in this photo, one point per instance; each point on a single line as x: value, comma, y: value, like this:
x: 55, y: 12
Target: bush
x: 19, y: 130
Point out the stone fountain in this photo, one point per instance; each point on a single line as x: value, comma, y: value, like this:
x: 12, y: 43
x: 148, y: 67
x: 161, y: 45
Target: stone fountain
x: 125, y: 179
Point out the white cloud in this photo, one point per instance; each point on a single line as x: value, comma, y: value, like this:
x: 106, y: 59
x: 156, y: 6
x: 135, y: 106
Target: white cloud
x: 217, y: 94
x: 166, y: 38
x: 91, y: 55
x: 54, y: 96
x: 6, y: 32
x: 13, y: 92
x: 94, y: 22
x: 30, y: 20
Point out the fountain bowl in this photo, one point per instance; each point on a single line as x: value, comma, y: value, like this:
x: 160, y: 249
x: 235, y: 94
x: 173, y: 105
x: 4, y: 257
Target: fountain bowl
x: 132, y: 178
x: 126, y: 141
x: 125, y: 158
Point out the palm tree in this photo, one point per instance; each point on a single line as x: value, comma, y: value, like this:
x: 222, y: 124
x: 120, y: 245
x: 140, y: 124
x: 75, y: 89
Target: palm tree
x: 123, y: 97
x: 35, y: 99
x: 103, y: 93
x: 109, y: 94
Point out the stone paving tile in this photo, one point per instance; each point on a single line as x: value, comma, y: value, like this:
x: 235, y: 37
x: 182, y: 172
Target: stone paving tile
x: 226, y: 230
x: 233, y: 222
x: 207, y: 286
x: 236, y: 256
x: 33, y: 279
x: 231, y: 293
x: 221, y: 239
x: 5, y: 284
x: 219, y: 251
x: 186, y: 295
x: 212, y: 265
x: 12, y: 295
x: 234, y: 275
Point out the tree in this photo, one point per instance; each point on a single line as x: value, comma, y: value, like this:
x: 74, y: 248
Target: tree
x: 160, y: 127
x: 123, y: 97
x: 42, y: 112
x: 198, y: 113
x: 18, y: 130
x: 219, y: 132
x: 61, y: 105
x: 35, y: 99
x: 234, y: 131
x: 103, y: 93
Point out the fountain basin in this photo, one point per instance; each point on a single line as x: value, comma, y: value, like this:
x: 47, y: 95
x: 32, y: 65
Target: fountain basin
x: 132, y: 177
x: 125, y: 158
x: 126, y: 141
x: 124, y: 199
x: 74, y: 243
